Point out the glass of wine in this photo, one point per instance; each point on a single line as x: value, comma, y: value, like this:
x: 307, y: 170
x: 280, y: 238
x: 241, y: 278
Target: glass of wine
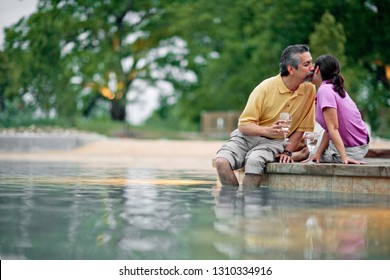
x: 286, y: 117
x: 311, y: 139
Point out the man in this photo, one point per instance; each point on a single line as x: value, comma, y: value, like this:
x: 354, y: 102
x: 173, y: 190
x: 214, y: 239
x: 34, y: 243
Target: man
x: 259, y: 137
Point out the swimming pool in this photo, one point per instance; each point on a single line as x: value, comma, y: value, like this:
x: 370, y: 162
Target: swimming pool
x: 64, y: 210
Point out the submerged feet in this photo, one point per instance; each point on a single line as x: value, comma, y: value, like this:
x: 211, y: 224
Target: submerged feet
x: 251, y: 180
x: 225, y: 173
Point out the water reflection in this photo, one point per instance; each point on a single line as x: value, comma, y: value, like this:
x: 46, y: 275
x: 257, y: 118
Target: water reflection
x: 98, y: 211
x: 282, y: 225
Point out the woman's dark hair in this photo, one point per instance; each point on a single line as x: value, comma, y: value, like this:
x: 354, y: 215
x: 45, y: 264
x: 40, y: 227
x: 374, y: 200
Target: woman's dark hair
x: 290, y: 56
x: 330, y: 72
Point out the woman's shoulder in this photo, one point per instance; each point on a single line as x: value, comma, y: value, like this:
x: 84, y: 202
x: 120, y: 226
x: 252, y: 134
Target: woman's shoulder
x: 326, y: 84
x: 326, y: 87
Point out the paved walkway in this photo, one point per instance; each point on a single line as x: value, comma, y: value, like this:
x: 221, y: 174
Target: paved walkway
x: 162, y: 154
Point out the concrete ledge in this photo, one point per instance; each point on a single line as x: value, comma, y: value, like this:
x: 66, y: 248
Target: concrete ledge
x: 373, y: 177
x: 323, y: 169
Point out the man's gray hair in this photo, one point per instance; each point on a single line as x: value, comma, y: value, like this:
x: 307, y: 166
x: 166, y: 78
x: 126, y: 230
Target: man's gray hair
x: 290, y: 56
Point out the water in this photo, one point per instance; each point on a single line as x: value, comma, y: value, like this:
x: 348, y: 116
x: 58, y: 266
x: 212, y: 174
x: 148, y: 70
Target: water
x: 101, y: 211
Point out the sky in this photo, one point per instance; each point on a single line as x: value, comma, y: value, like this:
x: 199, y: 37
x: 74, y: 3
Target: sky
x: 13, y: 10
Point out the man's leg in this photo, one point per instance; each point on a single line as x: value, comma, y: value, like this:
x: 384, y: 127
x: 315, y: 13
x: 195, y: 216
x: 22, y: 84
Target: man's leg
x: 251, y: 180
x: 225, y: 172
x: 256, y: 160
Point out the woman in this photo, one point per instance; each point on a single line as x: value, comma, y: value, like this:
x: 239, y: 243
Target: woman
x: 346, y: 137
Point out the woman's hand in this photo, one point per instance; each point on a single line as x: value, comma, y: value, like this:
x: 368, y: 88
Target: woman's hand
x: 348, y: 160
x: 315, y: 158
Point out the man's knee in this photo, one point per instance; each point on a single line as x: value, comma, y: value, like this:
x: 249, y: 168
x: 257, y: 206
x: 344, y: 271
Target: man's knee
x: 254, y: 165
x: 221, y: 163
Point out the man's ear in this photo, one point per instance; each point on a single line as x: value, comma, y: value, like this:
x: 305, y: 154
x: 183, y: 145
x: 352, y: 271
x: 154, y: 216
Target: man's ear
x: 290, y: 69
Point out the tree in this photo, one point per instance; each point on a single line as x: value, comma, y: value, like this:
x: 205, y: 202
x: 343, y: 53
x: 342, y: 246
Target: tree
x: 77, y: 56
x: 70, y: 55
x: 365, y: 24
x: 236, y: 44
x: 328, y: 37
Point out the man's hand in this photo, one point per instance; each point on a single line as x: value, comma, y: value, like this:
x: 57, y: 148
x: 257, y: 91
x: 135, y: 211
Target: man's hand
x: 285, y: 157
x: 277, y: 128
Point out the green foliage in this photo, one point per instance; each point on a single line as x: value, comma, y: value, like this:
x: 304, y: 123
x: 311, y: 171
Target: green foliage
x: 171, y: 120
x: 70, y: 55
x: 13, y: 116
x: 82, y: 58
x: 150, y: 130
x: 328, y: 37
x: 104, y: 127
x: 247, y: 37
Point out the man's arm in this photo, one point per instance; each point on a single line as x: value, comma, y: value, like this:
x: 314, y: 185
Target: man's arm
x: 252, y: 129
x: 292, y: 146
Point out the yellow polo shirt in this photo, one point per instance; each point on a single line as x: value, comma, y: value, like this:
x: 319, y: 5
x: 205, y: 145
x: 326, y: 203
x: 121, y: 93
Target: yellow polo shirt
x: 271, y: 97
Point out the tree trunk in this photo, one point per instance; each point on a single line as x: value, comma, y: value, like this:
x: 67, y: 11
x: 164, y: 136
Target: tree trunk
x: 118, y: 110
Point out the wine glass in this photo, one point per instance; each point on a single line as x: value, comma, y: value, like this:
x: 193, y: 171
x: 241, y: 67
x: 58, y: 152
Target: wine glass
x: 311, y: 139
x: 287, y: 118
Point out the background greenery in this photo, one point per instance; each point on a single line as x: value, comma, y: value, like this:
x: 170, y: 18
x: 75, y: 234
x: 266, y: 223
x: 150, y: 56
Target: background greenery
x: 79, y: 63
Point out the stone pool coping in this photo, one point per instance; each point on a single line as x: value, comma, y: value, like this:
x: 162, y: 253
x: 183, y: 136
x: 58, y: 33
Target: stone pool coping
x: 372, y: 177
x: 368, y: 178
